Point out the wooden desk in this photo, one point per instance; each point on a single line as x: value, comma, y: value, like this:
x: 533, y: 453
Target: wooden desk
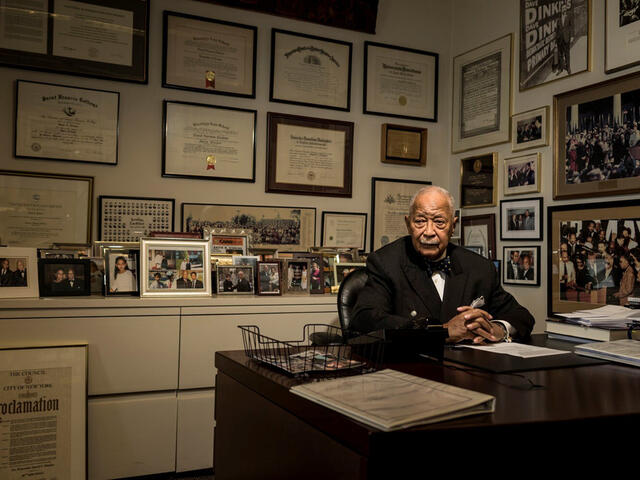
x: 262, y: 431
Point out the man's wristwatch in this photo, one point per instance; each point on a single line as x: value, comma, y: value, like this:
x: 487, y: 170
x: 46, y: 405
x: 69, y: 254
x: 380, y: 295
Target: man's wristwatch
x: 507, y: 337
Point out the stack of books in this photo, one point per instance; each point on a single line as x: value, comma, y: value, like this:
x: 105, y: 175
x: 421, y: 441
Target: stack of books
x: 606, y: 323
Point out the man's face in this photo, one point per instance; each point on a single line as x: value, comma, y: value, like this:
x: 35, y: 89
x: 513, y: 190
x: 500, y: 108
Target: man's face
x: 185, y: 275
x: 194, y: 275
x: 71, y: 275
x: 5, y: 264
x: 565, y: 256
x: 240, y: 275
x: 572, y: 238
x: 579, y: 264
x: 20, y: 265
x: 59, y: 275
x: 526, y: 263
x: 515, y: 256
x: 430, y: 225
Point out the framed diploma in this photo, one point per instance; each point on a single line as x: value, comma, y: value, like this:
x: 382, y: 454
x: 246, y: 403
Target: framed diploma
x: 400, y: 82
x: 403, y: 145
x: 54, y: 122
x: 344, y: 229
x: 40, y: 209
x: 309, y: 156
x: 482, y: 96
x: 390, y: 200
x: 478, y: 177
x: 126, y: 219
x: 208, y: 142
x: 209, y: 55
x: 309, y: 70
x: 43, y: 393
x: 95, y: 38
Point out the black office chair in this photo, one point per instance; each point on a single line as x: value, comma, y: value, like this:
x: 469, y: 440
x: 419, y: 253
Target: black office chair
x: 348, y: 295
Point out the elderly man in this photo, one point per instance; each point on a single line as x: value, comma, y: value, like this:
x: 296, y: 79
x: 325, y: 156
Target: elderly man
x: 422, y: 280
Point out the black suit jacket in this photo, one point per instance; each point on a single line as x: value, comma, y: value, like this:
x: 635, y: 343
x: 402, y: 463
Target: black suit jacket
x: 398, y: 285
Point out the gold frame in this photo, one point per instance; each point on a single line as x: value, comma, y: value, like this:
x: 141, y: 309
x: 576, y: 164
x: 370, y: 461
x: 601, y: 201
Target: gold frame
x: 522, y: 191
x: 494, y: 179
x: 514, y: 130
x: 419, y: 162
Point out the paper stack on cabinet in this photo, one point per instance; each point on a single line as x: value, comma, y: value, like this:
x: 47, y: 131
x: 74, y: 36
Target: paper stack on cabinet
x: 609, y: 315
x: 622, y: 351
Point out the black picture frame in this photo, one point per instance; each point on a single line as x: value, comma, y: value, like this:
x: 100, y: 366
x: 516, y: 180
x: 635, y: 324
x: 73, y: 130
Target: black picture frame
x: 137, y: 72
x: 523, y: 250
x: 47, y: 268
x: 363, y: 244
x: 128, y: 254
x: 151, y: 200
x: 520, y: 232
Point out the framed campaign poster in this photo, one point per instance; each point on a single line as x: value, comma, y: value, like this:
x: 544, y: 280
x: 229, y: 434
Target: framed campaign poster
x: 622, y: 32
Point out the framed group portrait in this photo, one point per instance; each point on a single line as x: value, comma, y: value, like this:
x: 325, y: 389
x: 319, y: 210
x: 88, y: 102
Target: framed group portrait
x: 530, y: 129
x: 521, y: 219
x: 126, y: 219
x: 521, y: 265
x: 622, y: 32
x: 478, y: 181
x: 522, y: 174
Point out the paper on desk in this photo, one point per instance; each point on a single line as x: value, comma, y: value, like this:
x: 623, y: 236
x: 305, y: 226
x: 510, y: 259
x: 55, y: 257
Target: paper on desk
x: 518, y: 350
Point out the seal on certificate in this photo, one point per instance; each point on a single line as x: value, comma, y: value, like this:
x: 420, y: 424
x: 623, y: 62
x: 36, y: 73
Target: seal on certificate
x: 311, y: 176
x: 211, y: 162
x: 210, y: 79
x: 36, y: 147
x: 402, y: 100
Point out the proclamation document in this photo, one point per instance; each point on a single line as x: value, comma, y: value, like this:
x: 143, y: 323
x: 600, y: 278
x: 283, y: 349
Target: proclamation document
x: 23, y: 25
x: 92, y: 32
x: 66, y: 123
x: 480, y: 99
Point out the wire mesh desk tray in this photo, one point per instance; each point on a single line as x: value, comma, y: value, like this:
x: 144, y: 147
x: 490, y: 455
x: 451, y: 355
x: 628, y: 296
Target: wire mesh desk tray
x: 359, y: 354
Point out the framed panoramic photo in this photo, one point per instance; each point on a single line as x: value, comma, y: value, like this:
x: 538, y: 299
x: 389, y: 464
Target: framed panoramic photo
x: 207, y: 55
x: 122, y: 272
x: 622, y: 32
x: 310, y: 70
x: 479, y: 181
x: 521, y: 265
x: 126, y: 219
x: 480, y: 231
x: 269, y: 278
x: 592, y: 250
x: 64, y: 277
x: 482, y: 95
x: 294, y: 145
x: 403, y: 145
x: 344, y: 229
x: 95, y: 38
x: 522, y: 174
x: 235, y: 279
x: 609, y: 112
x: 530, y: 129
x: 208, y: 142
x: 521, y: 219
x: 40, y: 209
x: 55, y: 122
x: 18, y: 272
x: 400, y: 82
x: 390, y: 199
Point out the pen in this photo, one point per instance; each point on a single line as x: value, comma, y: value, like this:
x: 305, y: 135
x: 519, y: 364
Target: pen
x: 478, y: 302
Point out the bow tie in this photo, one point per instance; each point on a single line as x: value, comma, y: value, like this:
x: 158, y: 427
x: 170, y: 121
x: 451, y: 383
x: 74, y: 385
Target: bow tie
x: 443, y: 266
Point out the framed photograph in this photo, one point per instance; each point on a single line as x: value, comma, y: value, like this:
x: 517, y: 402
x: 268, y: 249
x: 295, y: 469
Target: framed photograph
x: 222, y: 258
x: 522, y: 174
x: 207, y: 55
x: 344, y: 229
x: 126, y: 219
x: 67, y: 252
x: 122, y: 276
x: 294, y: 145
x: 55, y: 122
x: 479, y: 231
x: 593, y: 255
x: 43, y: 392
x: 479, y: 181
x: 530, y: 129
x: 622, y: 30
x: 400, y: 82
x: 521, y: 265
x: 97, y: 275
x: 174, y: 268
x: 64, y: 277
x: 99, y: 248
x: 390, y: 199
x: 233, y: 279
x: 609, y: 113
x: 521, y: 219
x: 342, y: 270
x: 310, y: 70
x: 231, y: 244
x: 403, y: 145
x: 482, y: 96
x: 208, y: 142
x: 316, y: 271
x: 297, y: 275
x: 291, y: 228
x: 104, y: 39
x: 269, y: 278
x: 39, y: 209
x: 18, y: 272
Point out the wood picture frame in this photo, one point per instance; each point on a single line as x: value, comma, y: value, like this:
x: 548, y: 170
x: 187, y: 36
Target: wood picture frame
x: 403, y: 145
x: 479, y: 181
x: 480, y: 231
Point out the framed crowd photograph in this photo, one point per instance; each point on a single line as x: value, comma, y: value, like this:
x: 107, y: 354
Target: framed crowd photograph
x: 403, y: 145
x: 297, y: 275
x: 310, y: 70
x: 555, y: 40
x: 121, y: 268
x: 207, y: 55
x: 269, y: 278
x: 622, y: 31
x: 208, y: 142
x: 235, y: 279
x: 480, y: 231
x: 309, y: 156
x: 390, y: 199
x: 482, y: 95
x: 18, y: 272
x: 95, y: 38
x: 342, y: 270
x: 290, y: 228
x: 521, y: 265
x: 597, y: 139
x: 174, y: 268
x: 593, y: 255
x: 521, y: 219
x: 234, y: 244
x: 400, y: 82
x: 56, y: 122
x: 344, y: 229
x: 126, y: 219
x: 530, y: 129
x: 43, y: 393
x: 522, y: 174
x: 479, y: 181
x: 64, y: 277
x: 39, y: 209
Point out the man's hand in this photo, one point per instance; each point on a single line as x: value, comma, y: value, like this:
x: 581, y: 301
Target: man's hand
x: 472, y: 324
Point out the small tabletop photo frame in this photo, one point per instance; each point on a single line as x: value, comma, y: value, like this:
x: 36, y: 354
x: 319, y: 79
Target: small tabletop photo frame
x: 233, y: 279
x: 297, y: 275
x: 269, y: 278
x: 121, y: 271
x: 18, y: 272
x: 64, y: 277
